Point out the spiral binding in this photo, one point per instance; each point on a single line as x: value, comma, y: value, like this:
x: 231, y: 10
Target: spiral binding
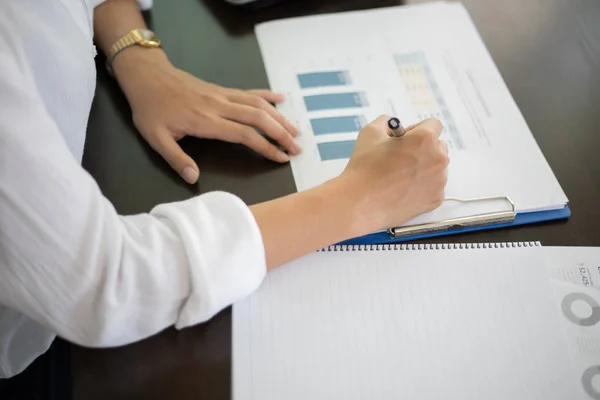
x: 427, y: 246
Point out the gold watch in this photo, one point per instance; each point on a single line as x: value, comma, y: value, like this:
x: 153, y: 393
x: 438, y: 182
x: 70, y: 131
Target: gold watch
x: 139, y: 37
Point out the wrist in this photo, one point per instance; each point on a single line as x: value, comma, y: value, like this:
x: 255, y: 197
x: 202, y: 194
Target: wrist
x: 357, y: 216
x: 132, y: 65
x: 128, y: 61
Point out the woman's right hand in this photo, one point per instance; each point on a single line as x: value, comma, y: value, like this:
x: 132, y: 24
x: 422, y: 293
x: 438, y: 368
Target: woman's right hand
x: 396, y: 179
x: 387, y: 182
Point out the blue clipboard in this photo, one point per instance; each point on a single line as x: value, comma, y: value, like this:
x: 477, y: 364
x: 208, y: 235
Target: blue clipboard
x: 519, y: 219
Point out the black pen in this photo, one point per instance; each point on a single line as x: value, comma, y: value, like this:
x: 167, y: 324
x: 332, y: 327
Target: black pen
x: 396, y: 127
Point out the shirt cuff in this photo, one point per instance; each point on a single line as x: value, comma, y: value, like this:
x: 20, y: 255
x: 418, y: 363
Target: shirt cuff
x: 225, y: 249
x: 144, y: 4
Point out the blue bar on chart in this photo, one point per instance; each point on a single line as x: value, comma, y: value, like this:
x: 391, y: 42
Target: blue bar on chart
x: 347, y: 124
x: 335, y: 101
x: 320, y: 79
x: 336, y: 150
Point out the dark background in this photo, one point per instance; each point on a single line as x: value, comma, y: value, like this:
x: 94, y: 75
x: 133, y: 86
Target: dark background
x: 548, y: 52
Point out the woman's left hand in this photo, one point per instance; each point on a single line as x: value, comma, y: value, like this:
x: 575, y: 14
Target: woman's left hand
x: 169, y: 104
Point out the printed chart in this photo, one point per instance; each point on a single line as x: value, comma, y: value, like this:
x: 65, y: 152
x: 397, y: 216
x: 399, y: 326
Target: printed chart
x: 338, y: 109
x: 345, y: 111
x: 425, y: 94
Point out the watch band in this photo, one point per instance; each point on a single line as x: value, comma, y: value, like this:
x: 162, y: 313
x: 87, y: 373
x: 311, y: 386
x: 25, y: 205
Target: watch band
x: 142, y: 37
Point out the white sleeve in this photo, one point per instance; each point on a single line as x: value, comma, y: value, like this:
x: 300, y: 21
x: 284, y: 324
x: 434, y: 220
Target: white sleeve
x: 144, y: 4
x: 70, y: 262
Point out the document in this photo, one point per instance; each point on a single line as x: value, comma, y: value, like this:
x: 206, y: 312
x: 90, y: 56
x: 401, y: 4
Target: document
x: 341, y: 71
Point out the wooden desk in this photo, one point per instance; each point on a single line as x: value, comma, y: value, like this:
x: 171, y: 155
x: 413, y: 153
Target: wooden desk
x: 548, y: 52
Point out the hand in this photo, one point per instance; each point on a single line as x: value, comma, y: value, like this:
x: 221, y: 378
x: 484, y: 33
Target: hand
x: 397, y: 178
x: 168, y: 104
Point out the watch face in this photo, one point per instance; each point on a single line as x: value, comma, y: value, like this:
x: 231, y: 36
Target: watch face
x: 148, y: 35
x: 149, y: 38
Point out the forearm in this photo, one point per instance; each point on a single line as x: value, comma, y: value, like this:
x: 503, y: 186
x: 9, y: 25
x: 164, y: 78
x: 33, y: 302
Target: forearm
x: 112, y: 20
x: 290, y: 226
x: 303, y: 222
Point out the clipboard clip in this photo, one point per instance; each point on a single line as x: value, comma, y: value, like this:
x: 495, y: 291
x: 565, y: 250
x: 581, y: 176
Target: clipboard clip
x: 499, y: 217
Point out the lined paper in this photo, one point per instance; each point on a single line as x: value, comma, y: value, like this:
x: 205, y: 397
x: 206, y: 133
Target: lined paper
x: 448, y: 324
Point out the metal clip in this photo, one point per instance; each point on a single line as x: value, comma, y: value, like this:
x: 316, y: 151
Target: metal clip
x: 499, y: 217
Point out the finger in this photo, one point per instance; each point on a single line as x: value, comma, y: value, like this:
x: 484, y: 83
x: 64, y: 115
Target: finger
x: 170, y: 150
x: 381, y: 123
x: 260, y: 102
x: 262, y: 120
x: 433, y: 126
x: 444, y: 146
x: 413, y: 126
x: 250, y: 138
x: 376, y: 130
x: 269, y: 96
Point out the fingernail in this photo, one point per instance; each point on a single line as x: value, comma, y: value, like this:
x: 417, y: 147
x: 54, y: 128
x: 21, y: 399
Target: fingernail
x: 295, y: 131
x: 190, y: 175
x: 282, y: 157
x: 296, y: 148
x: 280, y: 97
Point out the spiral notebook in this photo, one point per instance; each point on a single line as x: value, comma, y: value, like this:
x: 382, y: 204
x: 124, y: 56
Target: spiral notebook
x: 392, y: 65
x: 454, y: 321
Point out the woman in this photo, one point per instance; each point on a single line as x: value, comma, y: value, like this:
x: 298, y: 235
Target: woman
x: 71, y: 266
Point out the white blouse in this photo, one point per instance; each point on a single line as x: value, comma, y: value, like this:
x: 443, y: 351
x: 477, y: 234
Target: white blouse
x: 69, y: 264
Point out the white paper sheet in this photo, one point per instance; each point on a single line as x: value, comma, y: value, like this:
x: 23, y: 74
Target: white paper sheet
x: 412, y: 62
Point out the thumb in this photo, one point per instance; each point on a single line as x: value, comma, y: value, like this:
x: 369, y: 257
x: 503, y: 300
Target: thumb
x: 170, y: 150
x: 375, y: 131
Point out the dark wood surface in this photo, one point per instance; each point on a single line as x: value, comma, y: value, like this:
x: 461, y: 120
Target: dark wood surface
x: 548, y: 52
